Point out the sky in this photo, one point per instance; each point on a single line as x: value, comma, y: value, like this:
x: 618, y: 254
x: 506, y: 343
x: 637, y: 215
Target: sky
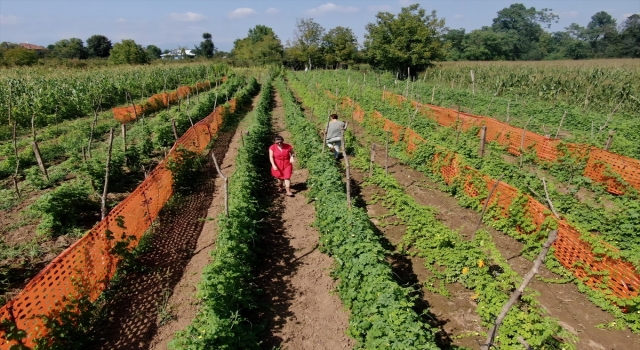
x: 169, y: 24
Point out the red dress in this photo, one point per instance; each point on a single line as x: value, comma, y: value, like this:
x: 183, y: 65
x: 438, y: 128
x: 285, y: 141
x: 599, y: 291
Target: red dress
x: 282, y: 159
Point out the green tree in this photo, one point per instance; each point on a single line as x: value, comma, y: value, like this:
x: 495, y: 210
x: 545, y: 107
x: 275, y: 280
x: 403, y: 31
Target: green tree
x: 339, y: 46
x: 128, y: 52
x: 526, y: 25
x: 206, y: 47
x: 455, y: 41
x: 261, y: 46
x: 486, y: 45
x: 603, y: 35
x: 630, y: 37
x: 409, y: 40
x: 70, y: 48
x: 307, y: 41
x: 154, y: 52
x: 19, y: 56
x: 99, y: 46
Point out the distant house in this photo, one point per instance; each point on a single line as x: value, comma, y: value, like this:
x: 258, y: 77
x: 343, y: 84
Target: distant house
x: 36, y: 48
x: 178, y: 54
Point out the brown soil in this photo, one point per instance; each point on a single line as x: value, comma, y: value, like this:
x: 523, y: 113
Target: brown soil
x: 563, y: 301
x: 183, y: 304
x: 154, y: 301
x: 302, y: 311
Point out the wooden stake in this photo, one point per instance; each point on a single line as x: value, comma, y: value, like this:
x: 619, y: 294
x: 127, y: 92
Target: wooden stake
x: 560, y: 126
x: 15, y: 153
x: 372, y: 158
x: 546, y: 193
x: 123, y: 132
x: 386, y: 155
x: 106, y: 176
x: 524, y: 131
x: 226, y: 185
x: 347, y: 168
x: 518, y: 292
x: 486, y: 204
x: 433, y: 93
x: 36, y: 152
x: 609, y: 140
x: 483, y: 135
x: 175, y: 130
x: 609, y: 118
x: 473, y: 82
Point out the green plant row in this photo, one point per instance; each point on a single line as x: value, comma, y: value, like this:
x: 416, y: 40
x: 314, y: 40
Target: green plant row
x: 52, y: 97
x: 382, y: 315
x: 616, y: 218
x: 476, y: 264
x: 71, y: 206
x: 422, y: 159
x: 226, y: 291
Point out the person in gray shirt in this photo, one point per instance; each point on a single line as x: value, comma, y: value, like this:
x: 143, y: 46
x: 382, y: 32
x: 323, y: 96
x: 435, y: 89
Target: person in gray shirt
x: 334, y: 135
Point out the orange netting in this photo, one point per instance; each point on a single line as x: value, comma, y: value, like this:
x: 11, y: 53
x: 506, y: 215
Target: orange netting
x: 620, y: 277
x: 86, y: 267
x: 159, y: 101
x: 602, y: 166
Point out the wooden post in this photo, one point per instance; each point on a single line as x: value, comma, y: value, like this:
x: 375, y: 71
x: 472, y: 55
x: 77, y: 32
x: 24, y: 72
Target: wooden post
x: 609, y: 140
x: 226, y: 185
x: 36, y: 151
x: 553, y: 209
x: 483, y: 135
x: 347, y: 168
x: 473, y: 82
x: 372, y: 158
x: 486, y: 204
x: 560, y: 126
x: 518, y: 292
x: 326, y: 130
x: 84, y: 154
x: 386, y: 155
x: 433, y: 93
x: 524, y: 131
x: 106, y: 176
x: 175, y: 130
x: 15, y: 153
x: 123, y: 127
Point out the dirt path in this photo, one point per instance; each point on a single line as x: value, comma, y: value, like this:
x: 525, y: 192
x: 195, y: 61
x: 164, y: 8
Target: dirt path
x: 151, y: 304
x: 183, y: 304
x: 563, y: 301
x: 303, y: 313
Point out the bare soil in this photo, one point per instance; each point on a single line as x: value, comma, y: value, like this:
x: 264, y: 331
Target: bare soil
x: 158, y: 298
x: 563, y: 301
x: 301, y: 310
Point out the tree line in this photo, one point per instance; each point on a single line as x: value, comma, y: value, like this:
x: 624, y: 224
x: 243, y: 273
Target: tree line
x: 407, y: 42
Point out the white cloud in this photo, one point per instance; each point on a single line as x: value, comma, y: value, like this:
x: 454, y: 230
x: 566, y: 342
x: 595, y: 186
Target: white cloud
x: 379, y: 8
x: 272, y: 10
x: 569, y: 14
x: 120, y: 20
x: 458, y: 16
x: 4, y: 20
x: 331, y: 7
x: 187, y: 17
x: 242, y: 12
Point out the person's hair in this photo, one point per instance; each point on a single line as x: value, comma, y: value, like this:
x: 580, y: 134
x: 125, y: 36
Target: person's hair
x: 334, y: 116
x: 278, y: 137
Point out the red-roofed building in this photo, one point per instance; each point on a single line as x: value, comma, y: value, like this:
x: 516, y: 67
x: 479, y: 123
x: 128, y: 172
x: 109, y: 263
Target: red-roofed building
x: 36, y: 48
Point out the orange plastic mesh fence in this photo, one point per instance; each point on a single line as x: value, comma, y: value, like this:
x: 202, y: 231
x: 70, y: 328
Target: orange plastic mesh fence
x: 619, y: 276
x: 87, y: 266
x: 601, y: 165
x: 158, y: 101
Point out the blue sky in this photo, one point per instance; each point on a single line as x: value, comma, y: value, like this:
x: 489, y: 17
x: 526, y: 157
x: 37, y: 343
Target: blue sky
x: 170, y: 23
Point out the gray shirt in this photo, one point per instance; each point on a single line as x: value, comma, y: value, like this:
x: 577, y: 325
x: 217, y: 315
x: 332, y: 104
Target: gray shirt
x: 335, y: 129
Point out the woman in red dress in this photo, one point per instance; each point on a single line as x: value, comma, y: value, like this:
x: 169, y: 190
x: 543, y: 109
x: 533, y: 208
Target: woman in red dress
x: 281, y: 157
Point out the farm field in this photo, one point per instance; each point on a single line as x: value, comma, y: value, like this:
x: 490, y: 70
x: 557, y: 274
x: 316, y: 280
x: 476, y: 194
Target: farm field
x: 415, y: 240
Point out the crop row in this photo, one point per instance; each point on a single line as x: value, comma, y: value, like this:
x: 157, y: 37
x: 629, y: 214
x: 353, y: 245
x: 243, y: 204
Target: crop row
x: 430, y: 157
x: 585, y: 204
x: 50, y: 99
x: 381, y: 311
x: 226, y: 291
